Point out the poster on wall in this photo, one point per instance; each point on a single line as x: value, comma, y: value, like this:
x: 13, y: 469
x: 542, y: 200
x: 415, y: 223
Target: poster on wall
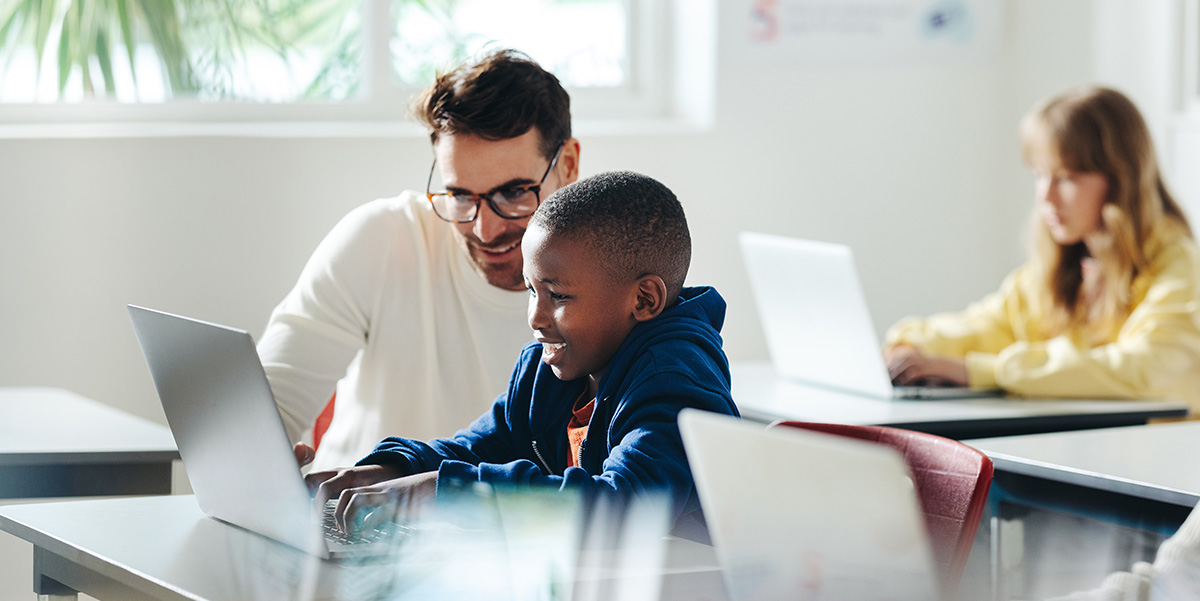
x: 866, y: 30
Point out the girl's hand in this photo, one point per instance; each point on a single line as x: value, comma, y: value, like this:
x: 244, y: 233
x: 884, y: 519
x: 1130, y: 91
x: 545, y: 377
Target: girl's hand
x: 910, y: 367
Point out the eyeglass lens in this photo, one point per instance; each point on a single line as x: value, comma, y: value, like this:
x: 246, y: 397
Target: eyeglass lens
x: 517, y: 202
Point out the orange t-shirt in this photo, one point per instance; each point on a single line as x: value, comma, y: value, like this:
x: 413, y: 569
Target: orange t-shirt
x: 578, y: 427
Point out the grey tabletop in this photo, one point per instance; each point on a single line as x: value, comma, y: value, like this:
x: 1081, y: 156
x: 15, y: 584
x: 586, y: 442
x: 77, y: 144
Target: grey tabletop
x: 50, y: 425
x: 58, y: 443
x: 1147, y: 462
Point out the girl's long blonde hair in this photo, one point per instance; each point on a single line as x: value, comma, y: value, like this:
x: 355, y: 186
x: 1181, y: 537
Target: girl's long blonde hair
x: 1098, y: 130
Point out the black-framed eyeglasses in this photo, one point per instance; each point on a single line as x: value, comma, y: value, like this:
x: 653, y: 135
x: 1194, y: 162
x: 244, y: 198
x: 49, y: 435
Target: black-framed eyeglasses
x: 509, y: 202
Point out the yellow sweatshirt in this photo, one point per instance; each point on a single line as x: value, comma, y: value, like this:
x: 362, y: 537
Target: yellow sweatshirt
x: 1154, y: 354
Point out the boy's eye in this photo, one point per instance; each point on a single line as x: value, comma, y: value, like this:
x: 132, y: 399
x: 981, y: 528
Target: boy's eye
x: 555, y: 296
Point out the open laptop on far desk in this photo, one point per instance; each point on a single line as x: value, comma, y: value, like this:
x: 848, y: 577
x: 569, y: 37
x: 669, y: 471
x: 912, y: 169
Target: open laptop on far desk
x: 815, y: 318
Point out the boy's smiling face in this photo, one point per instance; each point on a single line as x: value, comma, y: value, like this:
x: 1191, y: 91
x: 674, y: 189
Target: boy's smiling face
x: 576, y: 309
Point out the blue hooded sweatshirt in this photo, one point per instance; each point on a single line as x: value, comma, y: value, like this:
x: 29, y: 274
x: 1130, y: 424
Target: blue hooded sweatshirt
x: 633, y: 444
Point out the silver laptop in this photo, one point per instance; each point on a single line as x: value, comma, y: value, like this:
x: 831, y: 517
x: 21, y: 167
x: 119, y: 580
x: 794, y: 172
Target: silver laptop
x: 231, y: 438
x: 805, y: 515
x: 815, y: 317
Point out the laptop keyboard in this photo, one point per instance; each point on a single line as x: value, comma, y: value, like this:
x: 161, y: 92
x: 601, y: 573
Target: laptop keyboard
x: 332, y: 533
x: 932, y: 393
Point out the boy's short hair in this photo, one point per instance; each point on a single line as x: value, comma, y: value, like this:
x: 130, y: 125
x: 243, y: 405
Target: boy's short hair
x: 635, y: 224
x: 500, y: 96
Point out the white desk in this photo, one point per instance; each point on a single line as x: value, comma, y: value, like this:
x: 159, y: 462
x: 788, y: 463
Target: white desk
x: 55, y: 443
x: 1090, y: 502
x: 164, y: 548
x: 1155, y: 463
x: 763, y: 396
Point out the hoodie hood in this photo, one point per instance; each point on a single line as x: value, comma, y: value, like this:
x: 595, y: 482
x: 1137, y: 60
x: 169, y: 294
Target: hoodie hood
x: 695, y: 321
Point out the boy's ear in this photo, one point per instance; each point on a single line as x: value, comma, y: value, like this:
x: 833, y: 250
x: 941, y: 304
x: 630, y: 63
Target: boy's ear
x: 651, y: 298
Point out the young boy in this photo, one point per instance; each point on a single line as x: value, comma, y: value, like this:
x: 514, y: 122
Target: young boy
x: 620, y: 347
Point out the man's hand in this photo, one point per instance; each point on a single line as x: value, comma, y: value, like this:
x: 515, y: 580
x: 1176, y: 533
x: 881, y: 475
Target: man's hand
x: 908, y: 366
x: 368, y: 506
x: 304, y: 453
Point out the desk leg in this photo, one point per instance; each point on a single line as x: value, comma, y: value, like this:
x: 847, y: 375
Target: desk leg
x: 46, y: 588
x: 1008, y: 557
x: 56, y: 577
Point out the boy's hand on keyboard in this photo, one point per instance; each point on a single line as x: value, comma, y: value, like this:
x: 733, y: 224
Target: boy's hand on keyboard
x: 400, y: 498
x: 329, y: 484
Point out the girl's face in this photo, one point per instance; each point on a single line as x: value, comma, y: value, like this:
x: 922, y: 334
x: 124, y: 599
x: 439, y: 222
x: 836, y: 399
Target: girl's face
x: 1068, y: 202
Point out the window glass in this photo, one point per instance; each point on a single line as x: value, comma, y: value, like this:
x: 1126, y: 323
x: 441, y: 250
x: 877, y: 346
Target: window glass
x: 211, y: 50
x: 287, y: 51
x: 584, y: 42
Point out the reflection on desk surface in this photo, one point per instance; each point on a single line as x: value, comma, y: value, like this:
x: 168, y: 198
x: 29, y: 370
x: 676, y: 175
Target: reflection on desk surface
x: 167, y: 545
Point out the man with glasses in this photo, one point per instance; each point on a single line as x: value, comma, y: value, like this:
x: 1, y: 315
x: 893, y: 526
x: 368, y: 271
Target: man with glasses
x: 413, y: 307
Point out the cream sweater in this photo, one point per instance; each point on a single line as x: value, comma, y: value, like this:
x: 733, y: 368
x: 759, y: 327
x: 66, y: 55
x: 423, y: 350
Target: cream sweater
x: 389, y: 310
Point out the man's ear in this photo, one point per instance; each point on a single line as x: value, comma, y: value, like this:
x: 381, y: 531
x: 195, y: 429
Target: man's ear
x: 651, y: 298
x: 568, y: 162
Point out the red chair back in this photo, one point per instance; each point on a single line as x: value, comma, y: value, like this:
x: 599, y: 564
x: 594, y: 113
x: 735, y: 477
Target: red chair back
x: 951, y: 480
x: 322, y: 422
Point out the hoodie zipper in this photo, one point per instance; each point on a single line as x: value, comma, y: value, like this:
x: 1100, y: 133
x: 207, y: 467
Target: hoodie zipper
x: 538, y: 454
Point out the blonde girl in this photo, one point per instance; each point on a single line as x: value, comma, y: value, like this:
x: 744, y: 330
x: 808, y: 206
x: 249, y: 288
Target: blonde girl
x: 1108, y: 305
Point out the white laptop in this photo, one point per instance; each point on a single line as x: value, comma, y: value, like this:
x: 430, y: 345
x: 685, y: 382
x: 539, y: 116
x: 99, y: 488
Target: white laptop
x: 231, y: 438
x: 804, y: 515
x: 815, y: 318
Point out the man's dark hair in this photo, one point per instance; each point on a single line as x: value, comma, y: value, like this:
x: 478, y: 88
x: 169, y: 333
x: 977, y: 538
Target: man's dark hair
x: 635, y: 224
x: 500, y: 96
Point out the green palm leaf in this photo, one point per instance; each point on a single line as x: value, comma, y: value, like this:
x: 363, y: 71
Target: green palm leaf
x: 122, y: 13
x: 68, y: 37
x: 105, y: 60
x: 45, y: 17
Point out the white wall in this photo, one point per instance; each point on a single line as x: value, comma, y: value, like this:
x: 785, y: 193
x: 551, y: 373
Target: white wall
x: 1185, y: 137
x: 916, y: 166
